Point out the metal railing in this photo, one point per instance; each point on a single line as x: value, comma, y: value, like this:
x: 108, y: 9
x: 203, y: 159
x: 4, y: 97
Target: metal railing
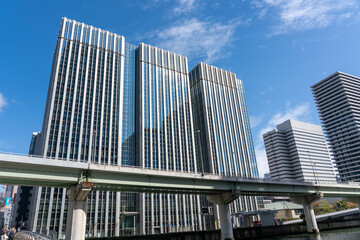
x: 28, y: 235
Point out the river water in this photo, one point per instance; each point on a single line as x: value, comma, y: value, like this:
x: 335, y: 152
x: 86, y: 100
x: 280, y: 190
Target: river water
x: 341, y: 234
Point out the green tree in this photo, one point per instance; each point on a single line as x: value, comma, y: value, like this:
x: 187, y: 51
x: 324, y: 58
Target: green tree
x: 353, y: 205
x: 342, y: 205
x: 323, y: 207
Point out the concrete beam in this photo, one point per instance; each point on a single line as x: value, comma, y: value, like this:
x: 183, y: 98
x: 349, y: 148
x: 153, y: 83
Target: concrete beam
x: 223, y: 198
x: 76, y: 216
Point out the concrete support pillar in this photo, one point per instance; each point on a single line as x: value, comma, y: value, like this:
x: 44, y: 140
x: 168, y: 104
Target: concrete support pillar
x: 223, y: 200
x: 307, y: 202
x: 311, y: 223
x: 76, y: 216
x: 225, y: 221
x: 142, y: 213
x: 117, y: 214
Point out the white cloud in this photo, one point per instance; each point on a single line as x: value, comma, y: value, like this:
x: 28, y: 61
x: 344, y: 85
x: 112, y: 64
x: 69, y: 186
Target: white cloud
x: 299, y: 112
x: 301, y: 15
x: 255, y: 121
x: 4, y: 145
x: 257, y: 3
x: 261, y: 159
x: 150, y: 4
x: 197, y: 39
x: 262, y: 13
x: 268, y: 90
x: 185, y: 6
x: 181, y: 6
x: 3, y: 102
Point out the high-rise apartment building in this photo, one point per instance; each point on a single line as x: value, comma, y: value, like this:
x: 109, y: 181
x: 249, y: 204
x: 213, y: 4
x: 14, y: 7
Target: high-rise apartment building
x: 222, y: 124
x: 297, y: 151
x: 338, y: 102
x: 113, y: 103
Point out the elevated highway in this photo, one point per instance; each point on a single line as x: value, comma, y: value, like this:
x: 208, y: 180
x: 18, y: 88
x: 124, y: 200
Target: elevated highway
x: 37, y: 171
x: 81, y: 178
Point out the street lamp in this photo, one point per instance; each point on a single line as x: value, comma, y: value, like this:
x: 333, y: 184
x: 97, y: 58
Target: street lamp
x: 93, y: 146
x: 200, y: 150
x: 312, y: 166
x: 316, y: 176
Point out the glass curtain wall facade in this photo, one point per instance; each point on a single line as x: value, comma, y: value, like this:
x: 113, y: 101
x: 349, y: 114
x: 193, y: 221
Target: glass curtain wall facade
x: 113, y: 103
x: 24, y: 193
x: 220, y: 113
x: 90, y: 117
x: 129, y: 217
x: 165, y: 137
x: 83, y: 122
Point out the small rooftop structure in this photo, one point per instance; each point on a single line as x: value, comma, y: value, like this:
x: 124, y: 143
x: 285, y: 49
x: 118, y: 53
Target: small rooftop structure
x: 282, y: 206
x: 285, y: 210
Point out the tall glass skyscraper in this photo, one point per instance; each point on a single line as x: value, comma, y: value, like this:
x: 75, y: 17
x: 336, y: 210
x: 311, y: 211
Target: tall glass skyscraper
x: 220, y: 113
x: 98, y: 86
x: 165, y: 137
x: 224, y: 142
x: 113, y: 103
x: 86, y: 120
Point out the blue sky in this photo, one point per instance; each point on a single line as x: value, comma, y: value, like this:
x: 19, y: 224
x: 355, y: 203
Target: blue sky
x: 279, y: 48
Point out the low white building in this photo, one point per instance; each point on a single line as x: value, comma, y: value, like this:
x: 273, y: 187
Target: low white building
x: 297, y: 151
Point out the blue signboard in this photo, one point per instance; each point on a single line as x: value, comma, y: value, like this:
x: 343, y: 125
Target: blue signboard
x: 7, y: 201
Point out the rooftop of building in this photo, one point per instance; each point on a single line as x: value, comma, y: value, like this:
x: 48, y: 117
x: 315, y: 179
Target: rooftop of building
x: 295, y: 124
x: 337, y: 73
x: 207, y: 72
x: 282, y: 206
